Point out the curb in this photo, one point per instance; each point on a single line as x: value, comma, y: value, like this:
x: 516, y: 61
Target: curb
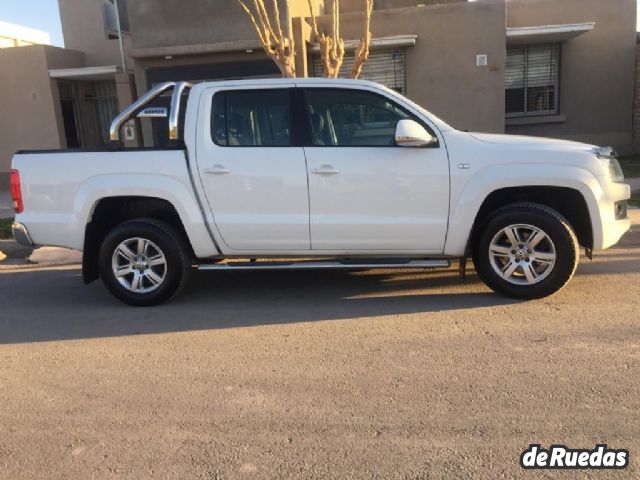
x: 55, y: 256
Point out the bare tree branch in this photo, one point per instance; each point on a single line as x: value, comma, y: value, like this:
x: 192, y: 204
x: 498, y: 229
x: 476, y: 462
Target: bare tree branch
x: 331, y: 46
x: 276, y: 12
x: 362, y: 52
x: 264, y: 17
x: 277, y: 46
x: 280, y: 47
x: 314, y: 23
x: 259, y: 31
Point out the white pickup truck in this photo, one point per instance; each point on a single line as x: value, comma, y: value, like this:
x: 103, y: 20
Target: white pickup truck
x: 318, y: 173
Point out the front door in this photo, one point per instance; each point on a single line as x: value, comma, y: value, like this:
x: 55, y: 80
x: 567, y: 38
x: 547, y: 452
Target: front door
x: 366, y: 193
x: 254, y: 180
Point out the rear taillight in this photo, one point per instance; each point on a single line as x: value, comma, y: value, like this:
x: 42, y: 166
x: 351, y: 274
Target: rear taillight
x: 16, y: 193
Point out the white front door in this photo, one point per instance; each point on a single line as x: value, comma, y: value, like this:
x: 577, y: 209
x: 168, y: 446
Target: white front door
x: 255, y: 183
x: 366, y: 193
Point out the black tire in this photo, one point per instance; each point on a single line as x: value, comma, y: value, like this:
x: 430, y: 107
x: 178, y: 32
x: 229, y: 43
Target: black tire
x: 174, y: 270
x: 562, y: 239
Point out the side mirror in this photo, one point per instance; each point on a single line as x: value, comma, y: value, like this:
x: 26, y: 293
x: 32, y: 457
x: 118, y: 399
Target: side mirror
x: 410, y: 133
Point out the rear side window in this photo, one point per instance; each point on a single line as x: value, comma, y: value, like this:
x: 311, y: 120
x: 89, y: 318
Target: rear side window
x: 251, y: 118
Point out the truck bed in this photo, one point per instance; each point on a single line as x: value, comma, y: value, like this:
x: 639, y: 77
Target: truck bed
x: 60, y: 188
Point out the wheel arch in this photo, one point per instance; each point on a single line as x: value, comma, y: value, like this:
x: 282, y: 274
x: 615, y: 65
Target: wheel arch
x: 568, y: 202
x: 109, y: 212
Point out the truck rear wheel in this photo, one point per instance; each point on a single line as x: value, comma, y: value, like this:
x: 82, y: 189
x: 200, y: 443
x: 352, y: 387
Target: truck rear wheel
x: 144, y: 262
x: 526, y: 251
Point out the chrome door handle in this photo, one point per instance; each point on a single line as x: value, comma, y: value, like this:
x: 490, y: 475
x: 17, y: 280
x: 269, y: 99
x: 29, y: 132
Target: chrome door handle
x: 325, y: 170
x: 217, y: 170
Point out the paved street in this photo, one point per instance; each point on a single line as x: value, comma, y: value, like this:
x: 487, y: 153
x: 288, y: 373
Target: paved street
x: 372, y: 374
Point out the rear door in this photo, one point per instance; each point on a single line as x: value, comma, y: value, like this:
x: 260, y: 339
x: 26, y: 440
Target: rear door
x: 366, y: 193
x: 253, y: 175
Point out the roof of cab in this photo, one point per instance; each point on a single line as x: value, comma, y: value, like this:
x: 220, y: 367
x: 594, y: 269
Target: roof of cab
x: 334, y: 82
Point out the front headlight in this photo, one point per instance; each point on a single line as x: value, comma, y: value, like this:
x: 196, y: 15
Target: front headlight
x: 615, y: 171
x: 608, y: 157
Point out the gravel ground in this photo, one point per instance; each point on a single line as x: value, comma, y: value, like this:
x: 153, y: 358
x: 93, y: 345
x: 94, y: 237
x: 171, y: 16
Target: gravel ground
x: 367, y: 375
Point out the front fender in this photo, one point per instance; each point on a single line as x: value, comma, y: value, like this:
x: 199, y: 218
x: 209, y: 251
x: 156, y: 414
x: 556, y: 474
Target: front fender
x: 468, y: 192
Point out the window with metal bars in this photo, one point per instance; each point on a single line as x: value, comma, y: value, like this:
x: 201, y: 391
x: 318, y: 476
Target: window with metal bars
x: 532, y: 80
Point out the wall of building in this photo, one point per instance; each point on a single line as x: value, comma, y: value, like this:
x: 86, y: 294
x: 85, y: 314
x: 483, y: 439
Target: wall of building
x: 597, y: 68
x: 83, y: 26
x: 300, y: 8
x: 162, y: 23
x: 193, y: 35
x: 636, y: 105
x: 194, y: 27
x: 12, y: 35
x: 441, y: 70
x: 30, y: 108
x: 442, y: 75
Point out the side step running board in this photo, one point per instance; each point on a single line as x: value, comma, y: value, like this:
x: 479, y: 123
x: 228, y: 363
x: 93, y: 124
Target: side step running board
x: 332, y: 264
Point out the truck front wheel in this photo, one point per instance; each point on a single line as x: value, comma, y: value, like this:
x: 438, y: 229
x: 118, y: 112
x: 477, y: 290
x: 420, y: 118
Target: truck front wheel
x: 526, y: 251
x: 144, y: 262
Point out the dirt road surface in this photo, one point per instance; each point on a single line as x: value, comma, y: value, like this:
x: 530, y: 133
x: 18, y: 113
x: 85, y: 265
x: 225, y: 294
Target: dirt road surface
x: 367, y: 375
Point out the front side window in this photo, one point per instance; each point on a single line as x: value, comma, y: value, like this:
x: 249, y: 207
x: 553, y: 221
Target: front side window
x: 251, y: 118
x: 352, y: 118
x: 532, y: 80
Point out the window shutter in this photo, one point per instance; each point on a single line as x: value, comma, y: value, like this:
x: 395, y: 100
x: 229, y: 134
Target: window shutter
x: 386, y: 67
x: 532, y: 77
x: 515, y: 68
x: 542, y: 65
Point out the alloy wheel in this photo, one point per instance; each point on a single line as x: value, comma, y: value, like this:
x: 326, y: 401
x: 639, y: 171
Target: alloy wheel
x: 522, y: 254
x: 139, y: 265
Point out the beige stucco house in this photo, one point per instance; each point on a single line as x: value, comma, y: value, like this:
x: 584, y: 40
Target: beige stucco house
x: 561, y: 68
x: 12, y: 35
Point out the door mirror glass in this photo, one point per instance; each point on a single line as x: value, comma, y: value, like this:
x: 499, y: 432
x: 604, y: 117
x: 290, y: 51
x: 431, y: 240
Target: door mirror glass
x: 410, y: 133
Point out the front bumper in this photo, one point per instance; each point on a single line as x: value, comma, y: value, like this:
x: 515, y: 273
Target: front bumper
x: 21, y: 235
x: 614, y: 221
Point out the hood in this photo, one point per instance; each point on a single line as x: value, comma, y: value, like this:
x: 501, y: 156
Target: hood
x: 524, y: 141
x: 518, y: 149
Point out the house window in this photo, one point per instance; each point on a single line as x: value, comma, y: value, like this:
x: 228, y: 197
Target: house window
x: 111, y: 16
x: 532, y: 80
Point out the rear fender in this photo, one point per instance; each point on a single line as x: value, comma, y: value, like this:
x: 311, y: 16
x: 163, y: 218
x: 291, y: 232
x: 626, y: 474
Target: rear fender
x: 143, y: 185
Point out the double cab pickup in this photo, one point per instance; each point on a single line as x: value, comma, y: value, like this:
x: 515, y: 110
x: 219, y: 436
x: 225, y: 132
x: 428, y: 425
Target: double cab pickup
x: 318, y: 173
